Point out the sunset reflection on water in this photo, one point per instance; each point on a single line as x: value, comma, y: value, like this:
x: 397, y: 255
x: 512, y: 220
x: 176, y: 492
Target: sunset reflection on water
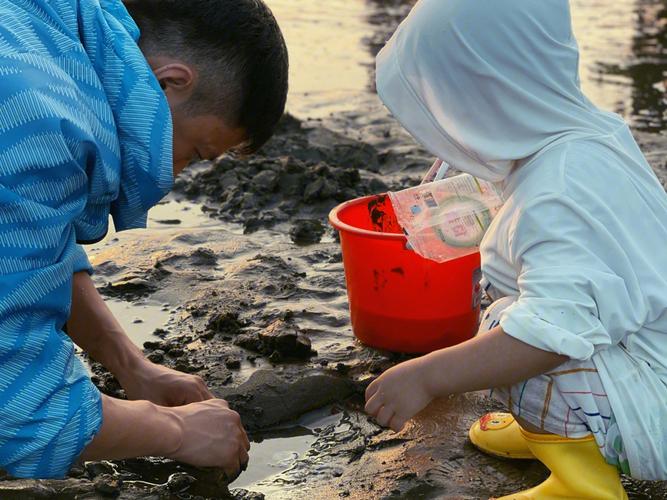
x: 623, y: 61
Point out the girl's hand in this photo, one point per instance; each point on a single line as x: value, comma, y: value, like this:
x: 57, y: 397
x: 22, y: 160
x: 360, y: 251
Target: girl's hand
x: 399, y: 394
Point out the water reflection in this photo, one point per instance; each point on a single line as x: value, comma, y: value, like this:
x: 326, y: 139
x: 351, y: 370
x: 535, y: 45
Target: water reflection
x: 647, y: 70
x: 333, y: 44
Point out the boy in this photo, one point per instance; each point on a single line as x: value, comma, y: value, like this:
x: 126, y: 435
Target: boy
x: 99, y: 109
x: 576, y: 340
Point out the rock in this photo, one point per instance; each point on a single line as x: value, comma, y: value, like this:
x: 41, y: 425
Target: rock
x: 203, y: 257
x: 180, y: 482
x: 176, y: 352
x: 266, y: 180
x: 313, y: 190
x: 233, y: 363
x: 279, y: 400
x: 94, y: 469
x: 156, y: 356
x: 241, y: 494
x: 108, y: 485
x: 249, y: 341
x: 183, y: 365
x: 286, y: 339
x: 155, y: 344
x: 307, y: 231
x: 129, y: 288
x: 28, y: 489
x: 169, y: 222
x: 226, y: 323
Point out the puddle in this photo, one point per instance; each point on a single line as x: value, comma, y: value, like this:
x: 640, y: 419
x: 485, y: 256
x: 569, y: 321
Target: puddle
x: 274, y: 455
x: 177, y: 213
x: 139, y: 319
x: 169, y: 214
x: 624, y: 58
x: 276, y: 452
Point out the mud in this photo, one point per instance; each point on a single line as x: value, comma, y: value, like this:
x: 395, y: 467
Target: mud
x: 265, y: 323
x: 254, y: 301
x: 296, y: 179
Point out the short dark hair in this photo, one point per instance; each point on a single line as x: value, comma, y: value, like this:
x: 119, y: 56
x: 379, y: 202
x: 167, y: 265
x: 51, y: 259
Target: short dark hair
x: 238, y: 50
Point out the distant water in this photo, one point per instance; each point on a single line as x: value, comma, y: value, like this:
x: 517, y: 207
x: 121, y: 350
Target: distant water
x: 623, y: 53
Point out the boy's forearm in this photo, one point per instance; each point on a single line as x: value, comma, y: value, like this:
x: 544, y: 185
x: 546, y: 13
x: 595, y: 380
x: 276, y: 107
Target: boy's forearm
x: 92, y: 327
x: 134, y: 429
x: 493, y: 359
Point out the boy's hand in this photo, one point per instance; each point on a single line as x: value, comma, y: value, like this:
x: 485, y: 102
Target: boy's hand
x: 163, y: 386
x: 399, y: 394
x: 205, y: 434
x: 213, y: 436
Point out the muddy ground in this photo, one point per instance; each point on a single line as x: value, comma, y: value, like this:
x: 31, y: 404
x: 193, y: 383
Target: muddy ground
x: 257, y: 308
x: 256, y: 305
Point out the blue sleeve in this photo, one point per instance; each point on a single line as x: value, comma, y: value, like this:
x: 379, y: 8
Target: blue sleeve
x: 49, y: 409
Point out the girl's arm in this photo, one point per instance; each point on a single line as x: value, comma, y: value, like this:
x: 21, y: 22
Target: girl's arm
x: 493, y: 359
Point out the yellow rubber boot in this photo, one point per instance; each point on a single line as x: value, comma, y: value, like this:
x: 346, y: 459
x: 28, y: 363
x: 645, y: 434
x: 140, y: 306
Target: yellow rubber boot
x: 577, y: 467
x: 498, y: 434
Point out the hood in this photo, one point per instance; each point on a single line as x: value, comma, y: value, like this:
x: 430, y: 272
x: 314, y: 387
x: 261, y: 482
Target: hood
x: 484, y: 83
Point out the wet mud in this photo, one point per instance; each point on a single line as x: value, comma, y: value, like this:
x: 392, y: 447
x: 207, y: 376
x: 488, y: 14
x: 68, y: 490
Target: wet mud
x: 264, y: 321
x: 292, y: 184
x: 254, y: 302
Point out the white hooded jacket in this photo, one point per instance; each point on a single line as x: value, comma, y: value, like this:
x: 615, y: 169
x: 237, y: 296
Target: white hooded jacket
x: 492, y: 88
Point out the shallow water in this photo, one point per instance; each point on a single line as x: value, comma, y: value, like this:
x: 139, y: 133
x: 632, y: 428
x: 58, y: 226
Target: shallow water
x: 275, y: 452
x: 623, y: 57
x: 141, y: 318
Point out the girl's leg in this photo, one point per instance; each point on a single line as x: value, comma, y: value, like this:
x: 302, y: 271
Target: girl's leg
x: 563, y: 418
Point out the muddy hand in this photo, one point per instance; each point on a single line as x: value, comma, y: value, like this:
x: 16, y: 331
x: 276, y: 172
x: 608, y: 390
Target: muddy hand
x: 398, y: 394
x: 164, y: 386
x: 213, y: 436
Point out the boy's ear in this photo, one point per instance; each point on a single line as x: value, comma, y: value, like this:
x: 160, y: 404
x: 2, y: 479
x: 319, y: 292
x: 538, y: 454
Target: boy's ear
x: 177, y: 81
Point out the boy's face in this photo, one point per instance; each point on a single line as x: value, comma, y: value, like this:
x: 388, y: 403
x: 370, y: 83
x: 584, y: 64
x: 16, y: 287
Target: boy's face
x: 199, y: 136
x: 202, y: 137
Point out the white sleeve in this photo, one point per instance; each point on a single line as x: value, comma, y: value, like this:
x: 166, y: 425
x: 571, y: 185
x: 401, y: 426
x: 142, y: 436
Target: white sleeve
x: 572, y: 298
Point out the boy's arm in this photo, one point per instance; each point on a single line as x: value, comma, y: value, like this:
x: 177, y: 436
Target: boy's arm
x: 92, y: 327
x: 493, y: 359
x: 205, y: 434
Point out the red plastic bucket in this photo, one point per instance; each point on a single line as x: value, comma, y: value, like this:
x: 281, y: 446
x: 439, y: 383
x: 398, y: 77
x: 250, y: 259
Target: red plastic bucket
x: 400, y: 301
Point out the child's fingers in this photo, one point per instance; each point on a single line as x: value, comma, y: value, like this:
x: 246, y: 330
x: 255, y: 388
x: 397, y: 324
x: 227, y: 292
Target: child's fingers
x: 373, y: 405
x: 384, y: 416
x: 372, y: 389
x: 397, y: 423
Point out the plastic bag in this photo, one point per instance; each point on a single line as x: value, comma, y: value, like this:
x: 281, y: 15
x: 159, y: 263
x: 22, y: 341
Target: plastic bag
x: 446, y: 219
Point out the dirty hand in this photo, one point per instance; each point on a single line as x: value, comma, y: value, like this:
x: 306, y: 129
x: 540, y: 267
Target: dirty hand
x: 212, y: 436
x: 399, y: 394
x: 164, y: 386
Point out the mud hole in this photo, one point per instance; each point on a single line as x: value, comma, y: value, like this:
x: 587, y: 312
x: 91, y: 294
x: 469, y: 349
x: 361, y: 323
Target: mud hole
x: 254, y: 302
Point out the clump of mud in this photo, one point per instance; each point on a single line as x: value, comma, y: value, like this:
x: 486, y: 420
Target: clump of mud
x: 302, y: 173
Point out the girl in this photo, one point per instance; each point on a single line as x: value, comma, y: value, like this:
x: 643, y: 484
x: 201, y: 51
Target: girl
x: 576, y: 342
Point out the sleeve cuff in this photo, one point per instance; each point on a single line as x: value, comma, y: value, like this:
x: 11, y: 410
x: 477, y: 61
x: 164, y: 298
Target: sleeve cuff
x: 80, y: 261
x: 534, y: 331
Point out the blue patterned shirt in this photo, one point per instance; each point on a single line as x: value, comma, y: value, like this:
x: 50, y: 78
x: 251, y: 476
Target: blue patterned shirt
x: 85, y: 131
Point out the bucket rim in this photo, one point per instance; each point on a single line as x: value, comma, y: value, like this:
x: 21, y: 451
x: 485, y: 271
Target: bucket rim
x: 341, y: 226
